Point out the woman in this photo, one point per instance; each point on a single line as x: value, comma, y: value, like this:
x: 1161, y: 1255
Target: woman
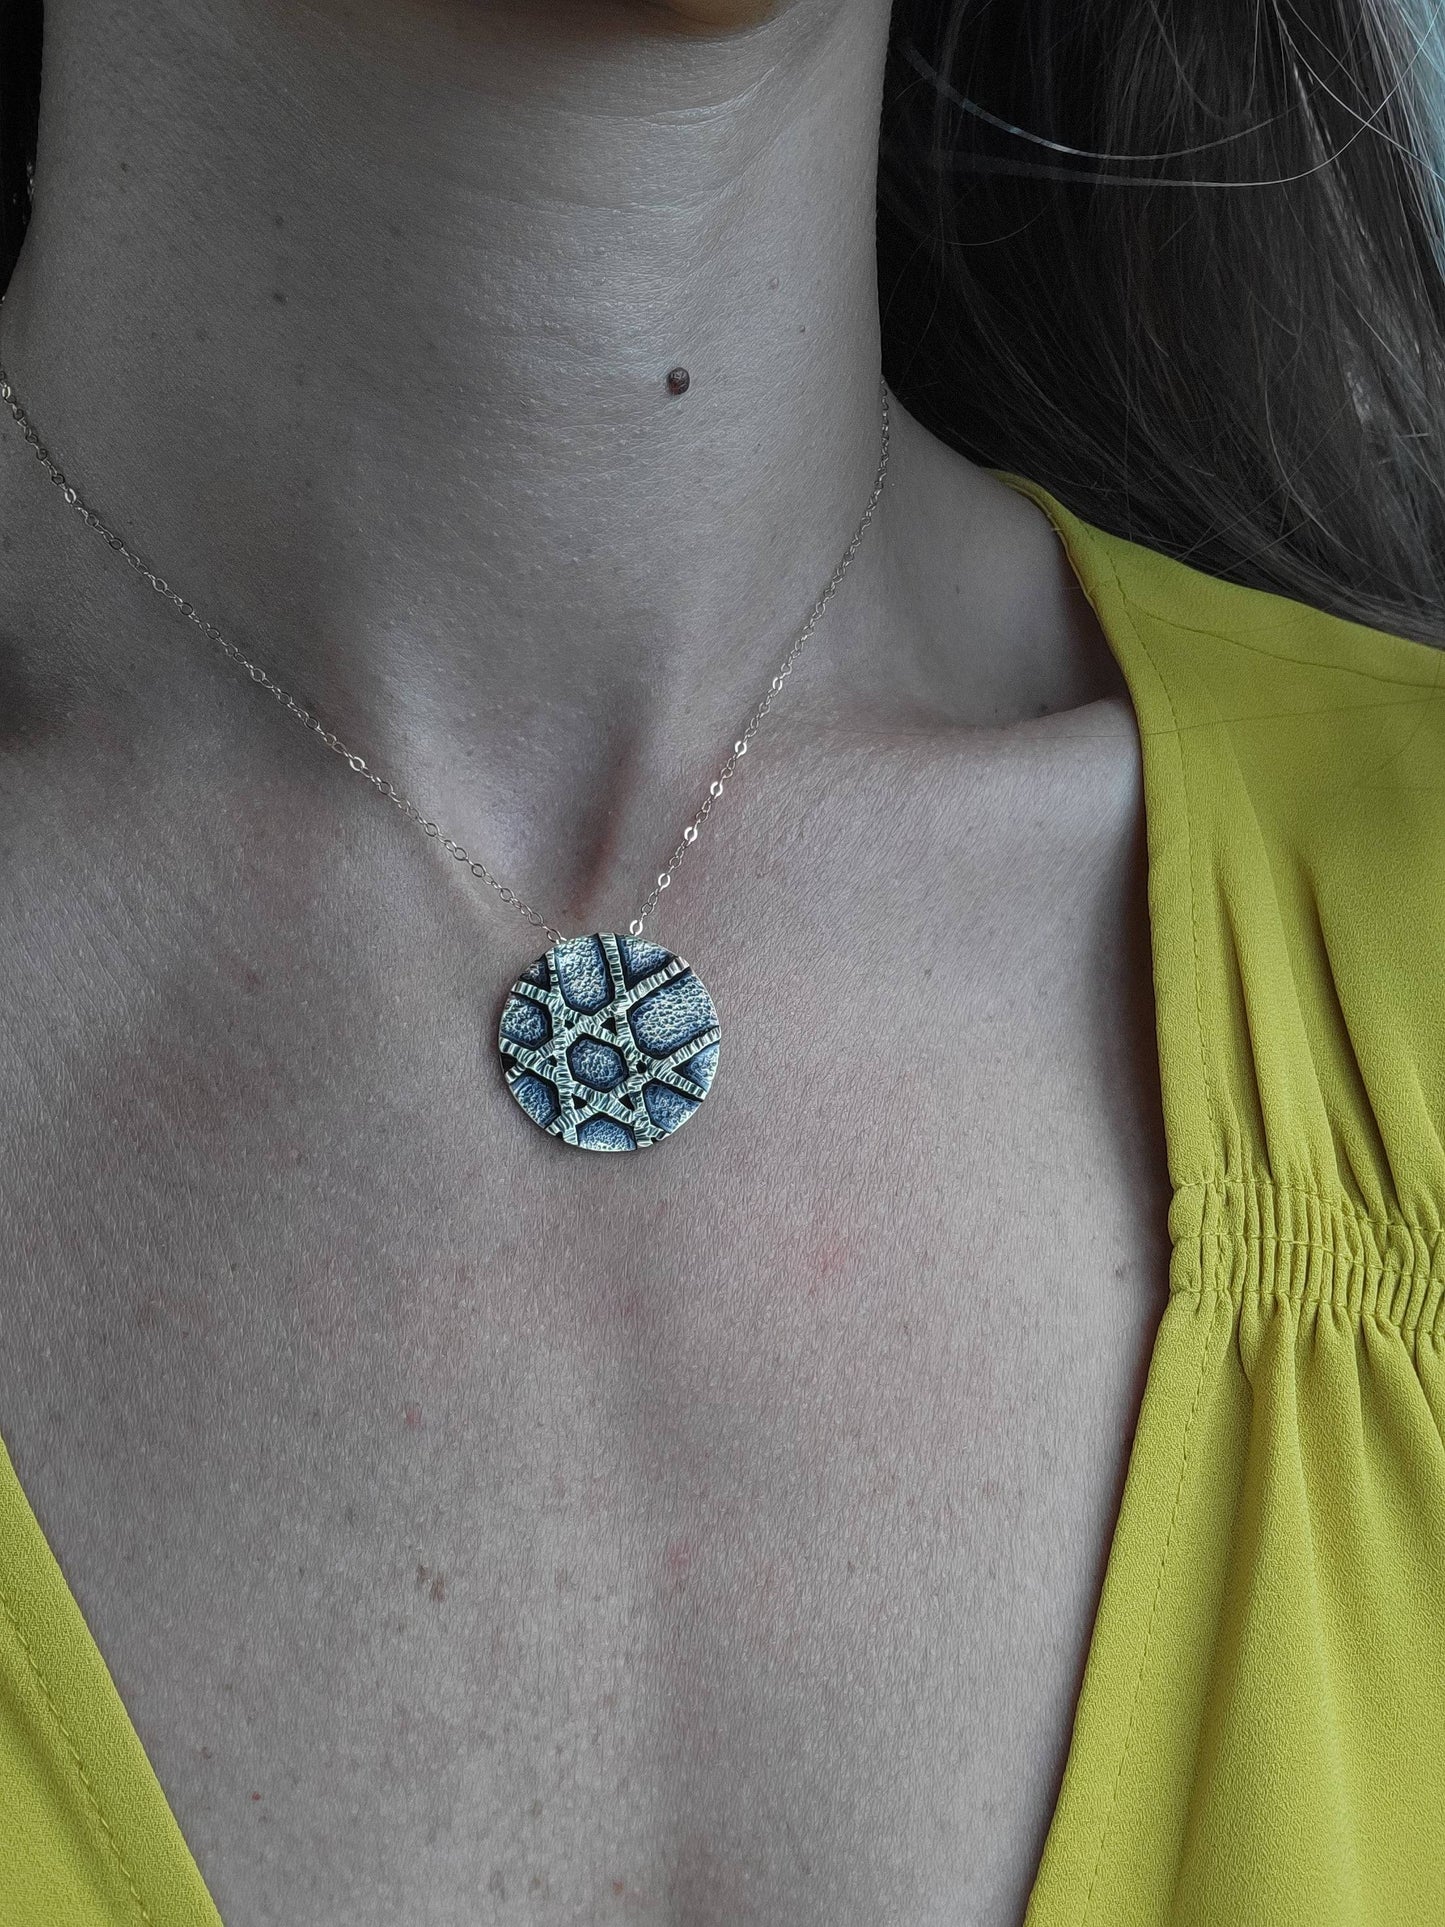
x: 973, y: 1471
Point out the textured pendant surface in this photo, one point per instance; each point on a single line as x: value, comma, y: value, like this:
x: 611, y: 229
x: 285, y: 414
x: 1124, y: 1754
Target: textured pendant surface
x: 609, y: 1043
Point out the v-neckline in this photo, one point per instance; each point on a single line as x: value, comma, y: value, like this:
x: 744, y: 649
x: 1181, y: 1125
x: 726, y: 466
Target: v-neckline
x: 120, y: 1785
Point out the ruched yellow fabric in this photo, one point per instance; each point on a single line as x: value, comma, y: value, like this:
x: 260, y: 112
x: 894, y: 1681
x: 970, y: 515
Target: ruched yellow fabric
x: 1260, y: 1736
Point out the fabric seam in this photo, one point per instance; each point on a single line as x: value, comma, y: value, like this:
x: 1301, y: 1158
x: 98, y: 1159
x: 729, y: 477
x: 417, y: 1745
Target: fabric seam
x: 1381, y: 1221
x: 1126, y: 609
x: 1400, y: 1328
x: 1152, y: 1621
x: 78, y: 1763
x: 1258, y: 649
x: 1283, y: 655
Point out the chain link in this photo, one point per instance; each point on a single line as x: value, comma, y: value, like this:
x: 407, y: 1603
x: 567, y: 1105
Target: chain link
x: 358, y: 763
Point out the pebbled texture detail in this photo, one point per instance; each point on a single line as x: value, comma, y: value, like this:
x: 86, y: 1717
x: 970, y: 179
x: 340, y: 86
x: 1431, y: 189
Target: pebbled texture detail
x: 609, y: 1043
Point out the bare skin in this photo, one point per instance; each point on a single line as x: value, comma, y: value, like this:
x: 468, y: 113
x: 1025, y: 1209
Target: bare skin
x: 711, y: 1535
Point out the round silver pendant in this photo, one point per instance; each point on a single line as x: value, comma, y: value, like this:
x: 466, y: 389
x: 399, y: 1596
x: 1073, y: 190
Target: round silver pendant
x: 609, y: 1043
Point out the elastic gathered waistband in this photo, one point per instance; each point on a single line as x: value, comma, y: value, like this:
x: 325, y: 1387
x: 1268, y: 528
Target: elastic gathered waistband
x: 1251, y: 1238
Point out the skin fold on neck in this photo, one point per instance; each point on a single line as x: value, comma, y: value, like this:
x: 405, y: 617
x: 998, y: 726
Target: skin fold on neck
x: 356, y: 321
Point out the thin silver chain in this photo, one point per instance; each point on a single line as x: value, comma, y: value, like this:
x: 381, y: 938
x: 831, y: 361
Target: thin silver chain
x: 358, y: 763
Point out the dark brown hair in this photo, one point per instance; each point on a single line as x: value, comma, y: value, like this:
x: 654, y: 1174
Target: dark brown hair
x: 1180, y: 261
x: 19, y: 118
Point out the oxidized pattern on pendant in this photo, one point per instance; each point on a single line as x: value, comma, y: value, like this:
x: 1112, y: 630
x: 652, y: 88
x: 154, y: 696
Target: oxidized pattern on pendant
x: 608, y: 1042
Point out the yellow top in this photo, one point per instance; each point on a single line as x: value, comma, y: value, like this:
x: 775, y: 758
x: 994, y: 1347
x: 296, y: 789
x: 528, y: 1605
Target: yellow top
x: 1260, y: 1736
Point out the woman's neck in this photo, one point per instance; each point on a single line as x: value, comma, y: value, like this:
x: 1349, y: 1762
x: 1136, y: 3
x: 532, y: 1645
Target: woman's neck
x: 357, y: 319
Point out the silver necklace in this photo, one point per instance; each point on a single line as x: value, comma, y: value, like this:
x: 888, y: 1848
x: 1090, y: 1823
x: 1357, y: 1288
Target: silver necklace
x: 607, y: 1042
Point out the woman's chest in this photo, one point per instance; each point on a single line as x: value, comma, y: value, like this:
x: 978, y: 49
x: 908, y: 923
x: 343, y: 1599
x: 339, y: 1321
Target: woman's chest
x: 476, y: 1527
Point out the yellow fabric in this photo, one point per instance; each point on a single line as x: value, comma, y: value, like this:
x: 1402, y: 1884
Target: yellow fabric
x: 1260, y: 1736
x: 86, y: 1836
